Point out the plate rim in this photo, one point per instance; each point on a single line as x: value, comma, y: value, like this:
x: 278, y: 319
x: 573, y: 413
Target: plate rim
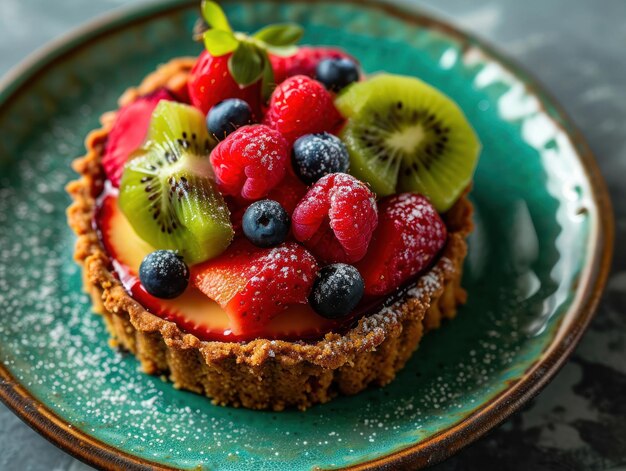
x: 444, y: 443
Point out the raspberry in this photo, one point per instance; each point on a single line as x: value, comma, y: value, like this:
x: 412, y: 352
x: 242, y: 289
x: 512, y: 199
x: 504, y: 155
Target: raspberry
x: 303, y: 62
x: 253, y: 284
x: 336, y: 218
x: 128, y: 132
x: 410, y: 234
x: 210, y: 82
x: 250, y: 161
x: 299, y: 106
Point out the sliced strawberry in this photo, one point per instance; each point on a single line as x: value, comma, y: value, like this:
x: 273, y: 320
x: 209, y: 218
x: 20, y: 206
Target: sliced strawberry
x: 336, y: 218
x: 410, y: 234
x: 253, y: 285
x: 304, y: 61
x: 128, y: 132
x: 210, y: 82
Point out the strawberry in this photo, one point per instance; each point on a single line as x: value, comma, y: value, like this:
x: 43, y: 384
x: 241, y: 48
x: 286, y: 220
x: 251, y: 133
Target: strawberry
x: 336, y: 218
x: 253, y: 285
x: 299, y: 106
x: 250, y: 161
x: 211, y: 82
x: 303, y: 62
x: 410, y: 234
x: 128, y: 132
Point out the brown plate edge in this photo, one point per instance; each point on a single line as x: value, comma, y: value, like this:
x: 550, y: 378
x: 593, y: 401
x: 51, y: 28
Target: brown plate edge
x: 435, y: 448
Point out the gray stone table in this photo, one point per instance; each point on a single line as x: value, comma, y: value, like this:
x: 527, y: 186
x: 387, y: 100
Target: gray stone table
x: 577, y: 48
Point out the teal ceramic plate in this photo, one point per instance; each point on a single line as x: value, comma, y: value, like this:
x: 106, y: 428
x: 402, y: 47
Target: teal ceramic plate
x: 538, y: 258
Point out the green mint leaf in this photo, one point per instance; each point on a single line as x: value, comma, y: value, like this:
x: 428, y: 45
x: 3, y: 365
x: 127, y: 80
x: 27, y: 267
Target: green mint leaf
x: 285, y: 34
x: 282, y: 51
x: 219, y: 42
x: 246, y: 64
x: 268, y: 77
x: 215, y: 16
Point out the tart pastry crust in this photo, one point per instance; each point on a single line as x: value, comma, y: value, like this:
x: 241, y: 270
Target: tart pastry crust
x: 261, y: 374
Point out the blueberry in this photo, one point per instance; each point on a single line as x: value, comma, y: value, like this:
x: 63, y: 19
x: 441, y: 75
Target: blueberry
x: 316, y: 155
x: 337, y: 290
x: 265, y: 223
x: 336, y: 74
x: 227, y: 116
x: 164, y: 274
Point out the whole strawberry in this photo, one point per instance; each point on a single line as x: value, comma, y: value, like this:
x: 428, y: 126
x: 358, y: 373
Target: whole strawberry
x: 410, y: 234
x: 299, y: 106
x: 336, y: 218
x: 236, y: 64
x: 250, y: 162
x: 210, y: 82
x: 304, y: 61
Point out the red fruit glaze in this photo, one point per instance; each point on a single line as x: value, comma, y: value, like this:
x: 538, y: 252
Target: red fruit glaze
x: 250, y: 161
x: 128, y: 132
x: 303, y: 62
x: 410, y: 234
x: 336, y: 218
x: 253, y: 285
x: 301, y: 105
x: 210, y: 82
x: 194, y: 312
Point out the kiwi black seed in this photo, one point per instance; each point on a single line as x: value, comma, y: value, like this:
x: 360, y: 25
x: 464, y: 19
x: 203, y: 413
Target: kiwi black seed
x: 167, y: 191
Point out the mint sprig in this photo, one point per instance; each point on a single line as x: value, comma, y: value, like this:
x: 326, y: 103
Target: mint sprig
x: 219, y: 42
x: 250, y: 60
x: 215, y: 16
x: 246, y: 64
x: 284, y: 34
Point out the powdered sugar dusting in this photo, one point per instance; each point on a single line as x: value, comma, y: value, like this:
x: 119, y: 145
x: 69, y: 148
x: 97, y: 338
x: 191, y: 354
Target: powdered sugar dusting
x: 336, y: 218
x: 250, y: 161
x: 318, y: 155
x: 271, y: 280
x: 409, y: 224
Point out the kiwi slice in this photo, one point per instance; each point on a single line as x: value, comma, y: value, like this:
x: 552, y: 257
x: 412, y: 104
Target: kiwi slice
x: 167, y: 190
x: 404, y: 135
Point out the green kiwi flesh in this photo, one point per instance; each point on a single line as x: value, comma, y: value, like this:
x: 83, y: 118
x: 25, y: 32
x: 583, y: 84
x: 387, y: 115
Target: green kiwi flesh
x: 167, y: 190
x: 404, y: 135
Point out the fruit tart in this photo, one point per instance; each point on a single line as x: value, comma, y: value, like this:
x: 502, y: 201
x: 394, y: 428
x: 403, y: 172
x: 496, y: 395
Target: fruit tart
x: 268, y: 226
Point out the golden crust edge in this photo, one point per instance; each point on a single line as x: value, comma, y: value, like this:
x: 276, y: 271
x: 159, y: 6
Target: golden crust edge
x: 261, y: 374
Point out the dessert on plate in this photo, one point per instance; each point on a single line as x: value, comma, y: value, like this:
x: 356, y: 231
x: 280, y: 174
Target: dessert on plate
x: 270, y: 227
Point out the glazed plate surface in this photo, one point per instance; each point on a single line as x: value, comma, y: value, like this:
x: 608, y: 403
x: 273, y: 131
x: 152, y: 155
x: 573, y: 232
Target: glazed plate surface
x: 538, y: 257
